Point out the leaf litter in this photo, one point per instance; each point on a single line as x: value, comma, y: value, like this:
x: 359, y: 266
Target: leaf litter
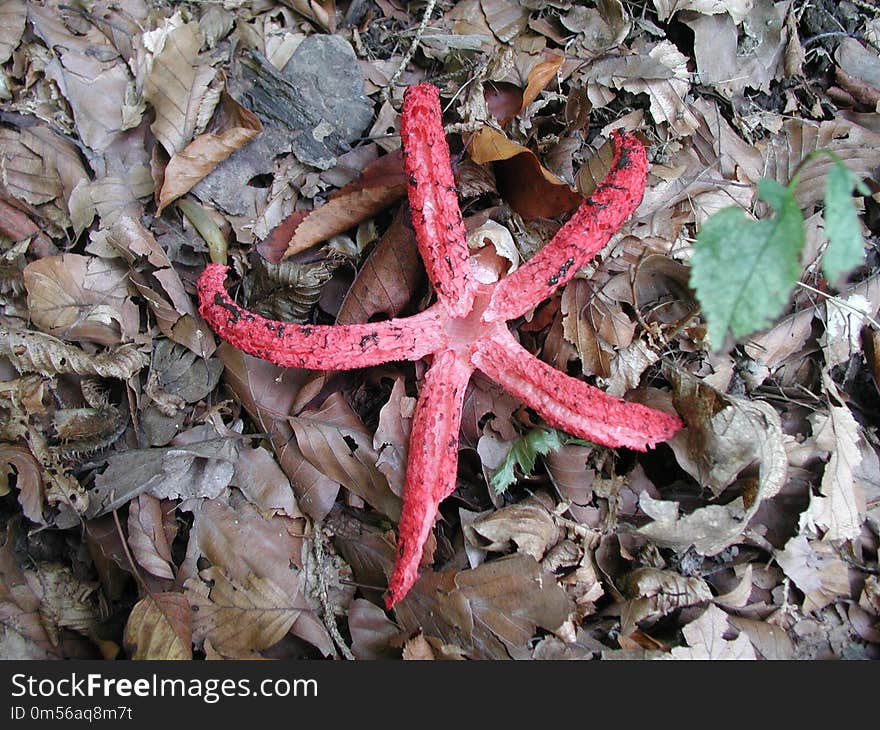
x: 236, y: 487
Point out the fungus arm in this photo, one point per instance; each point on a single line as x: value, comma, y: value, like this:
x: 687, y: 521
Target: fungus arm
x: 317, y: 347
x: 433, y: 200
x: 570, y: 404
x: 432, y: 465
x: 582, y: 236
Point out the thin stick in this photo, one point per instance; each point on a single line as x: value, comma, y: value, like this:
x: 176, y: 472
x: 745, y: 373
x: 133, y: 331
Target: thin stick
x: 407, y: 57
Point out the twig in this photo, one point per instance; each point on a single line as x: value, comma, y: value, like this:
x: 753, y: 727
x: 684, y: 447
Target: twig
x: 407, y: 57
x: 840, y: 302
x: 329, y: 618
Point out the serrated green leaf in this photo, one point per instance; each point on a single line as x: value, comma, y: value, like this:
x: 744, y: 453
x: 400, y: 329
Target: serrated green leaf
x: 525, y: 450
x: 846, y: 247
x: 744, y: 270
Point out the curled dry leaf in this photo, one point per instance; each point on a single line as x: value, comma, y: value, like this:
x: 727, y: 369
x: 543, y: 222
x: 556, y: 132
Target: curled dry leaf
x: 36, y: 352
x: 381, y: 184
x: 389, y: 277
x: 839, y: 508
x: 532, y: 190
x: 147, y: 538
x: 528, y: 525
x: 392, y: 435
x: 595, y: 325
x: 654, y: 593
x: 28, y: 479
x: 816, y: 569
x: 82, y: 298
x: 200, y: 469
x: 725, y: 436
x: 706, y: 639
x: 159, y: 627
x: 232, y: 128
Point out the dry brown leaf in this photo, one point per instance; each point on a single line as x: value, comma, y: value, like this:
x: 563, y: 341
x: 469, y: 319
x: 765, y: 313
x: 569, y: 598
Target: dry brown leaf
x: 239, y: 619
x: 13, y: 16
x: 724, y: 436
x: 199, y: 469
x: 389, y: 277
x: 737, y: 9
x: 146, y: 536
x: 769, y: 641
x: 371, y: 631
x: 381, y: 184
x: 336, y: 443
x: 93, y: 78
x: 262, y: 481
x: 509, y: 597
x: 66, y: 601
x: 267, y: 393
x: 418, y: 649
x: 595, y: 325
x: 28, y: 480
x: 528, y: 525
x: 36, y: 352
x: 706, y: 639
x: 159, y: 627
x: 839, y: 510
x: 772, y: 348
x: 242, y: 543
x: 506, y: 18
x: 600, y: 29
x: 178, y: 87
x: 654, y: 593
x: 658, y: 70
x: 570, y: 473
x: 856, y: 146
x: 845, y: 316
x: 531, y: 189
x: 391, y: 439
x: 81, y: 298
x: 232, y: 128
x: 110, y: 197
x: 816, y: 568
x: 540, y: 75
x: 156, y: 279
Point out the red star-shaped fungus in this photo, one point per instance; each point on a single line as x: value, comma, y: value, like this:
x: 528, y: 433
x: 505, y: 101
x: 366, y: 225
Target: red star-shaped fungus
x: 465, y: 329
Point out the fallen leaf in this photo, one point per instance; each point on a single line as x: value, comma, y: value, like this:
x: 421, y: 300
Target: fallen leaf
x: 178, y: 87
x: 232, y: 128
x: 381, y: 184
x: 839, y: 509
x: 147, y: 538
x: 371, y: 631
x: 816, y: 568
x: 529, y: 188
x: 81, y: 298
x: 239, y: 619
x: 654, y: 593
x: 528, y: 525
x: 706, y: 639
x: 200, y: 469
x: 336, y: 443
x: 159, y: 627
x: 262, y: 481
x: 28, y: 480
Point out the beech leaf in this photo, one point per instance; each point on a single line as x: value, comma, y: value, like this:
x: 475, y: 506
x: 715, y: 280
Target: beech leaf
x: 159, y: 627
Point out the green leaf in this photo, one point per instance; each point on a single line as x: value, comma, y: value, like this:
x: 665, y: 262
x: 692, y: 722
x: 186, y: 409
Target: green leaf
x: 523, y: 454
x: 846, y: 247
x: 744, y: 270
